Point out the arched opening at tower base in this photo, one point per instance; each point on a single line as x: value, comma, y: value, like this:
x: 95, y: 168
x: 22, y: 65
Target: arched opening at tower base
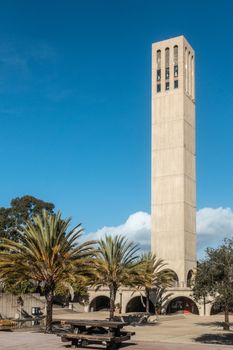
x: 182, y: 305
x: 100, y: 303
x: 219, y: 309
x: 136, y: 304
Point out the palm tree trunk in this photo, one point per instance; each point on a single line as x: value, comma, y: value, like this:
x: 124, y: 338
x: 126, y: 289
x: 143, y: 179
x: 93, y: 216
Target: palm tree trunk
x: 226, y: 325
x: 204, y: 306
x: 112, y: 302
x: 49, y: 309
x: 147, y: 301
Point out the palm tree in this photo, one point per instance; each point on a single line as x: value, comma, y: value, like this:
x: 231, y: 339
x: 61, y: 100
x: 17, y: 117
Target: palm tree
x: 47, y: 254
x: 153, y: 277
x: 116, y: 264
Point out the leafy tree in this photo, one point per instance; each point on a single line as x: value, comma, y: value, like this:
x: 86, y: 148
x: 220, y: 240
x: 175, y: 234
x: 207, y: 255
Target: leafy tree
x: 117, y: 259
x: 21, y: 209
x: 47, y: 254
x: 215, y: 277
x: 201, y: 283
x: 18, y: 287
x: 153, y: 278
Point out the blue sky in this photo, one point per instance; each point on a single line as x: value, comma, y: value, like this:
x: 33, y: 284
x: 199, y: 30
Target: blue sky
x: 75, y: 102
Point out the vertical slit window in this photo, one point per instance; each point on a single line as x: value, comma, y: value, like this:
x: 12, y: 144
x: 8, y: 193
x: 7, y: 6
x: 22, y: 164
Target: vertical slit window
x: 175, y: 55
x: 158, y: 87
x: 188, y: 73
x: 158, y: 74
x: 167, y: 63
x: 186, y: 68
x: 176, y: 84
x: 159, y: 59
x: 192, y: 76
x: 158, y: 65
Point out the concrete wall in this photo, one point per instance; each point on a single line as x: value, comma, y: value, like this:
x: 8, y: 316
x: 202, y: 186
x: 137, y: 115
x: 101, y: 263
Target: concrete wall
x: 10, y: 309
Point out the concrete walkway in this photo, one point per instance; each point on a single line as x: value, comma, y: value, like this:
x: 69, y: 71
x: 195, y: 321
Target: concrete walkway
x: 170, y: 333
x: 174, y: 329
x: 34, y: 341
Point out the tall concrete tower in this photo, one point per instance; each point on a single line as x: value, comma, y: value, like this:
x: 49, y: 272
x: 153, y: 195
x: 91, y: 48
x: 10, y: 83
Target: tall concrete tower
x: 173, y: 156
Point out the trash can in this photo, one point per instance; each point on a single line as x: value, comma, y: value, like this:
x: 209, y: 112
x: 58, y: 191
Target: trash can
x: 36, y: 311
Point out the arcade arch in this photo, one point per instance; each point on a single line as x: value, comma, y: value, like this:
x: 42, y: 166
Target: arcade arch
x: 182, y: 304
x: 99, y: 303
x: 217, y: 309
x: 138, y: 304
x: 189, y: 278
x: 176, y: 279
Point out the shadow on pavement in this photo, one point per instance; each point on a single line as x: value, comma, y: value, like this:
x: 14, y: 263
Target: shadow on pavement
x: 150, y: 324
x: 223, y: 339
x: 210, y: 324
x: 99, y: 346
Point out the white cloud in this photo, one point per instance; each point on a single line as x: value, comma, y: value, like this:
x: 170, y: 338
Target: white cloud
x: 136, y: 228
x: 213, y: 225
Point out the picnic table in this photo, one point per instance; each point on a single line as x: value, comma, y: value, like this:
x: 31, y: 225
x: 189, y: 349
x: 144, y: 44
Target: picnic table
x: 107, y: 333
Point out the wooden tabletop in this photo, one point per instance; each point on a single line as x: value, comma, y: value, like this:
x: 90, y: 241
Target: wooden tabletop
x: 95, y: 323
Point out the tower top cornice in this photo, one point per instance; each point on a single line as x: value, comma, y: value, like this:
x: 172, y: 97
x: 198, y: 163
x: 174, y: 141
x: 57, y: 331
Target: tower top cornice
x: 178, y: 40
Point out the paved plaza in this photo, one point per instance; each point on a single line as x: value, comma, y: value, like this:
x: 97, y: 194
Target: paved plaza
x: 170, y: 333
x: 176, y: 328
x: 33, y: 341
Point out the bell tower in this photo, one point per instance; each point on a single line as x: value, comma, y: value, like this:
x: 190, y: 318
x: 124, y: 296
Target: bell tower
x: 173, y: 156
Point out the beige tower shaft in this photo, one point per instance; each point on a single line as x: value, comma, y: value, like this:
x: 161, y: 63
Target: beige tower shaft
x: 173, y: 156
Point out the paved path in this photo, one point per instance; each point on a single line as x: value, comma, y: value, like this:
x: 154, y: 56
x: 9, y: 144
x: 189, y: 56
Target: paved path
x: 174, y: 329
x: 34, y: 341
x: 175, y: 346
x: 171, y: 333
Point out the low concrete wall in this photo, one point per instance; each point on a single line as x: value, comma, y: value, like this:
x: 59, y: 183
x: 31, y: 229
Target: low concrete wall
x: 9, y: 308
